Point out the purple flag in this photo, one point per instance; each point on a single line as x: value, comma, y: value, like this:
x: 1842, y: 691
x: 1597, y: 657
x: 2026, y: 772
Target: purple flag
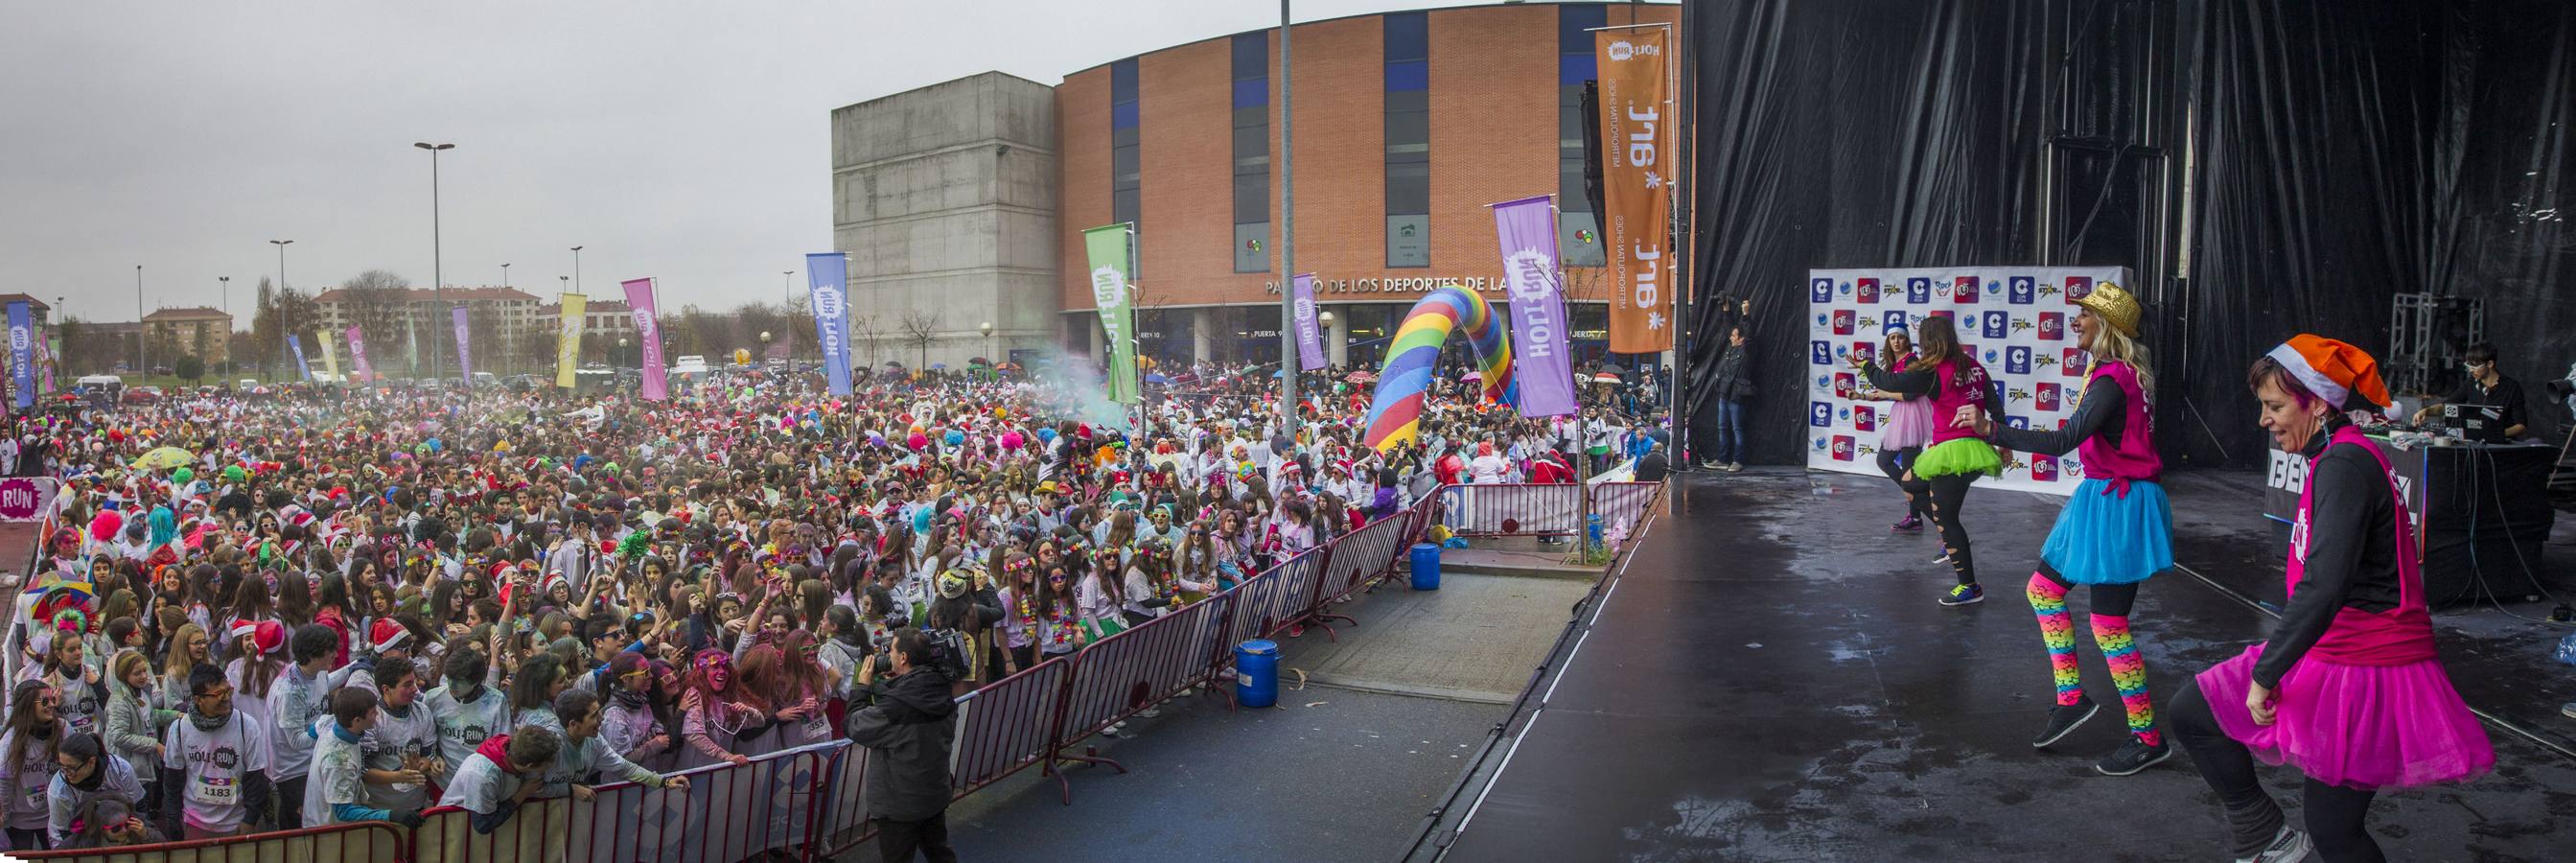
x: 1545, y: 373
x: 648, y: 331
x: 358, y: 351
x: 464, y: 348
x: 1310, y: 336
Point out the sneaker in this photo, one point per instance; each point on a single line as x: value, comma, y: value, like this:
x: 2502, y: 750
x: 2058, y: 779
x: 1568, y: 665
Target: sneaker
x: 2133, y: 756
x: 1909, y: 522
x: 1113, y: 730
x: 1944, y: 558
x: 1149, y: 713
x: 1735, y: 467
x: 2063, y: 718
x: 1964, y: 594
x: 2568, y: 710
x: 2288, y: 846
x: 1712, y: 465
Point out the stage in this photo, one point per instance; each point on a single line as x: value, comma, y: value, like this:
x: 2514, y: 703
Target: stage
x: 1768, y: 677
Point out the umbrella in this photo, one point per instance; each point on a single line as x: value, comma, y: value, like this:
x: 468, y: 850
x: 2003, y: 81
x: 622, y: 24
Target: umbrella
x: 1610, y: 368
x: 893, y: 365
x: 1157, y: 379
x: 938, y: 366
x: 165, y: 457
x: 1605, y: 378
x: 1360, y: 377
x: 1472, y: 376
x: 979, y: 361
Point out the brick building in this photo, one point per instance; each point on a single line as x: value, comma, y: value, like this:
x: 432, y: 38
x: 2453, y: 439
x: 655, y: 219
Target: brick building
x: 1408, y: 124
x: 205, y: 333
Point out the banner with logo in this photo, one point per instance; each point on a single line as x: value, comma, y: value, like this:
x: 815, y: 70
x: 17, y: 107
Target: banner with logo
x: 297, y: 347
x: 27, y: 498
x: 576, y: 309
x: 1107, y: 246
x: 648, y: 333
x: 2012, y: 319
x: 1527, y: 229
x: 464, y: 346
x: 330, y: 357
x: 1310, y: 334
x: 46, y: 353
x: 358, y: 355
x: 22, y: 353
x: 1636, y: 174
x: 827, y: 275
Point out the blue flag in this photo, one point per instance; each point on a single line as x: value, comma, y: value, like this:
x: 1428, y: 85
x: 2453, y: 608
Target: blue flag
x: 293, y: 344
x: 22, y: 353
x: 827, y: 275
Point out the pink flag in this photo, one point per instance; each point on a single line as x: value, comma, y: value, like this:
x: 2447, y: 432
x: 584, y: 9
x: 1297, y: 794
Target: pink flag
x: 358, y: 351
x: 648, y: 332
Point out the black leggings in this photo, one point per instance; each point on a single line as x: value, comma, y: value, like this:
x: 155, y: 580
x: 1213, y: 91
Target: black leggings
x: 1945, y: 494
x: 2108, y: 600
x: 2334, y: 814
x: 1893, y: 463
x: 29, y: 840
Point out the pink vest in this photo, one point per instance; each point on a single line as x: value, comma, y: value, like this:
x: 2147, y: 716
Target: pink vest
x: 1963, y: 383
x: 2134, y: 458
x: 2398, y: 636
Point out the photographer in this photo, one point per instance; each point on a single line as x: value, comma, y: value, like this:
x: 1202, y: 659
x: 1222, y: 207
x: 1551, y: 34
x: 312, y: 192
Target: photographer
x: 908, y: 732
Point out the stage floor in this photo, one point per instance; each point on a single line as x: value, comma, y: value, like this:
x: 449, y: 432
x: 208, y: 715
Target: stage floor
x: 1770, y: 678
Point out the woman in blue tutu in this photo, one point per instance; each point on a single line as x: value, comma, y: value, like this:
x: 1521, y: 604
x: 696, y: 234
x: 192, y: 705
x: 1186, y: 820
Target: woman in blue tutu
x: 2115, y: 531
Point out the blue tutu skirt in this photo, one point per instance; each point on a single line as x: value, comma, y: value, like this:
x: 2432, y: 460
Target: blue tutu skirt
x: 2104, y: 537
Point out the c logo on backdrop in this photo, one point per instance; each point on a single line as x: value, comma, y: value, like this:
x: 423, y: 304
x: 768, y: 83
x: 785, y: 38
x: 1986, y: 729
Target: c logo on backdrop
x: 2012, y: 318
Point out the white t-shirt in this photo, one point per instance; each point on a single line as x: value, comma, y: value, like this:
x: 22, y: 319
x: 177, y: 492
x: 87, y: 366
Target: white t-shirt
x: 216, y: 763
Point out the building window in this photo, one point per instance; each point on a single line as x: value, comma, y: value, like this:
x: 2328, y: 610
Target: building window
x: 1578, y: 227
x: 1123, y: 173
x: 1251, y: 153
x: 1408, y: 140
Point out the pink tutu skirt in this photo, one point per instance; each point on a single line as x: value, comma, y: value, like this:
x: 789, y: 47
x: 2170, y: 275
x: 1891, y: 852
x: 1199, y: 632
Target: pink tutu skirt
x: 2367, y: 727
x: 1909, y: 424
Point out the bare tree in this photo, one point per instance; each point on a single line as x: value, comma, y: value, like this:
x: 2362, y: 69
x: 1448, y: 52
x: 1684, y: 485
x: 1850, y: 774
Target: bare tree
x: 863, y: 340
x: 919, y: 327
x: 378, y: 303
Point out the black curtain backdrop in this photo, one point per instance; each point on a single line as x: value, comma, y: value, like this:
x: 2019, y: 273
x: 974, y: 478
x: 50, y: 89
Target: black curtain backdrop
x: 2266, y: 167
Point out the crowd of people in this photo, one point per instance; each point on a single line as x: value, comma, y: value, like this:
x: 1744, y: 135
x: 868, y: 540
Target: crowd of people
x: 333, y: 605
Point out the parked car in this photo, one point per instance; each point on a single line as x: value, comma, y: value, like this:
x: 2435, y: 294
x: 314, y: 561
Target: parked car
x: 142, y: 395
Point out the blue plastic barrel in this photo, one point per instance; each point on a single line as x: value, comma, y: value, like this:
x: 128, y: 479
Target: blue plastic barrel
x: 1426, y: 566
x: 1256, y: 673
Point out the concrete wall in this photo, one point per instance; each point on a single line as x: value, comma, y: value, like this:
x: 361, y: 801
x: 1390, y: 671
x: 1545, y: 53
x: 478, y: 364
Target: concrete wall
x: 944, y: 198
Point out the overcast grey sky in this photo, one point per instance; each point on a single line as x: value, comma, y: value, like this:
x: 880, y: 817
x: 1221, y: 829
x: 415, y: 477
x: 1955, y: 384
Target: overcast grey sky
x: 683, y: 141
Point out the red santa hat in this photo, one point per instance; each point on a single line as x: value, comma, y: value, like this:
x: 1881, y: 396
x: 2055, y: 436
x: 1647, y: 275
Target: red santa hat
x: 547, y: 583
x: 2334, y: 371
x: 267, y: 636
x: 385, y: 635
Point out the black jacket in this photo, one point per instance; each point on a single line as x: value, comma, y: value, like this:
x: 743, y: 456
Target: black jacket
x: 2352, y: 553
x: 1734, y: 374
x: 908, y: 733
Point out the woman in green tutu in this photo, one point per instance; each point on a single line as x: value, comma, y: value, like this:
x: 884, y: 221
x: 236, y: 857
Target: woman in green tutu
x: 1950, y: 379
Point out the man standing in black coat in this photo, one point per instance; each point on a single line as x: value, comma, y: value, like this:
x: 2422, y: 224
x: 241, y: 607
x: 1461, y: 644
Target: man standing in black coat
x: 907, y: 733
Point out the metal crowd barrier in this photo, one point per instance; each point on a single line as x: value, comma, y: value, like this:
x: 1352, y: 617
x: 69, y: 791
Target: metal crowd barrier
x: 361, y: 842
x: 811, y: 803
x: 1523, y: 509
x: 1512, y: 509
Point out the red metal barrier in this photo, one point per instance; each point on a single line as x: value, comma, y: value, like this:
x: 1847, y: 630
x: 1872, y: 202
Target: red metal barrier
x: 841, y: 817
x: 727, y: 814
x: 1623, y: 502
x: 1005, y: 727
x: 1362, y: 556
x: 1512, y: 509
x: 355, y: 842
x: 1274, y: 599
x: 1123, y: 674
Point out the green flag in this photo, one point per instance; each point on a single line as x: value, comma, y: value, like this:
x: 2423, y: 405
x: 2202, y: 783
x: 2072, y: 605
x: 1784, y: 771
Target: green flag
x: 1108, y: 248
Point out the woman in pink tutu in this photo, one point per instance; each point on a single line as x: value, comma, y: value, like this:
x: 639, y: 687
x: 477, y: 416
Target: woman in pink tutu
x: 2348, y: 688
x: 1908, y: 423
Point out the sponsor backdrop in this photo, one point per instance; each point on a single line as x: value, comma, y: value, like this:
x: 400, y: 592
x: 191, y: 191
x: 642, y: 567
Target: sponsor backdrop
x: 2013, y: 319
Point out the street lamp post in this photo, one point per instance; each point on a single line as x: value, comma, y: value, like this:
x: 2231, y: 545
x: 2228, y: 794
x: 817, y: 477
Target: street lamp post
x: 576, y: 269
x: 987, y: 329
x: 505, y: 275
x: 437, y: 279
x: 281, y: 280
x: 787, y: 285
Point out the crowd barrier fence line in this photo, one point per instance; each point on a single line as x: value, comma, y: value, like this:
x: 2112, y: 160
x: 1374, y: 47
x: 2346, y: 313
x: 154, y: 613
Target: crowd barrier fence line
x: 1543, y: 510
x: 360, y: 842
x: 811, y: 801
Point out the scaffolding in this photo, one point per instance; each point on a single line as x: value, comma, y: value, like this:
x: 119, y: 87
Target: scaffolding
x: 2427, y: 334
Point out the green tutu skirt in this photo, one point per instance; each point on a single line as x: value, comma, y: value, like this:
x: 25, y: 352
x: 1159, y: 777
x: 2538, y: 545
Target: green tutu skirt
x: 1962, y: 456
